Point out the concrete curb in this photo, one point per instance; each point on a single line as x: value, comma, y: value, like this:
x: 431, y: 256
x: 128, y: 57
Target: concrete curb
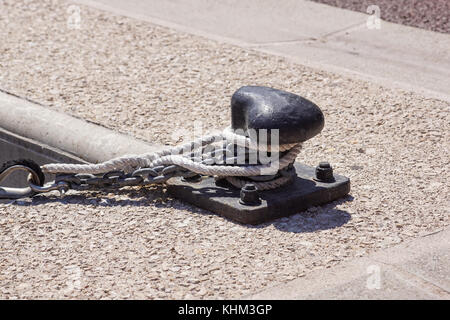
x: 34, y: 148
x: 79, y: 138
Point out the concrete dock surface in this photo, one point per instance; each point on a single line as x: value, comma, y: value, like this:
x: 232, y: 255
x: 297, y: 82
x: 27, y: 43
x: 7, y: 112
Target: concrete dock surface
x: 148, y: 80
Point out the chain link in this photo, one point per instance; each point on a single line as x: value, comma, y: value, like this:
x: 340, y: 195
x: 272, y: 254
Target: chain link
x: 145, y: 176
x: 120, y: 179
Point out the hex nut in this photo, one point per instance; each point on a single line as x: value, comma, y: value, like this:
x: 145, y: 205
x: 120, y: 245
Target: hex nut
x: 249, y: 195
x: 324, y: 172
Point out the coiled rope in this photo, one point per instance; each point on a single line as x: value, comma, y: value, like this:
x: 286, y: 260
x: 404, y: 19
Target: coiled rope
x: 181, y: 156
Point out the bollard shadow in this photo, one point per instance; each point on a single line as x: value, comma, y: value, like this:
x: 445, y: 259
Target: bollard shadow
x: 324, y: 217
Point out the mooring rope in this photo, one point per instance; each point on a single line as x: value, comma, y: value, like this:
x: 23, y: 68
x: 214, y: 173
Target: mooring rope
x: 178, y: 156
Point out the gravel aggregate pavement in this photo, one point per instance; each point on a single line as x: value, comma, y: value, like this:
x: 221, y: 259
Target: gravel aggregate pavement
x: 431, y: 15
x: 146, y: 81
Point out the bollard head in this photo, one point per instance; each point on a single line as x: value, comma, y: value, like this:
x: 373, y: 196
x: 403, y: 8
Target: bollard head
x: 296, y: 118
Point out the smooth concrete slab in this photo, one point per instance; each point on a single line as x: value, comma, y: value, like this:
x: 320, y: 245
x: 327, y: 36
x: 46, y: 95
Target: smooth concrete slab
x: 419, y: 269
x: 250, y: 21
x: 417, y: 58
x: 393, y: 286
x: 428, y: 260
x: 309, y: 33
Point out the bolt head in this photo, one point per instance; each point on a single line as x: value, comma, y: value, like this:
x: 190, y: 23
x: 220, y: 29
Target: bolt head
x: 249, y: 195
x: 324, y: 172
x: 324, y: 165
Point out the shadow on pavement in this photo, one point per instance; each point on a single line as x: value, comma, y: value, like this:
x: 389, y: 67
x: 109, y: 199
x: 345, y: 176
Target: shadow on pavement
x: 315, y: 219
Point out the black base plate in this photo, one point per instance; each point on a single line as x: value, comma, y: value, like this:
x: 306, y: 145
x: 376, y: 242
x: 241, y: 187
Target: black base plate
x: 223, y: 199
